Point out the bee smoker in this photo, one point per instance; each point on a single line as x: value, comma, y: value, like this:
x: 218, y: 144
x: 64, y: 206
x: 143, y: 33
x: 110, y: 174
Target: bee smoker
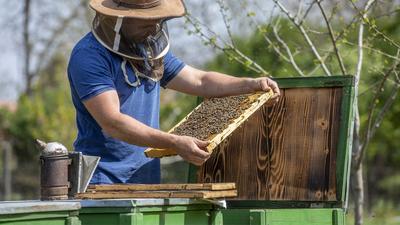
x: 63, y: 173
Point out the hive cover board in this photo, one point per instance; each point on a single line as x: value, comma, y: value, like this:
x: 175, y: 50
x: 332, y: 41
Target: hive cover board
x: 288, y: 151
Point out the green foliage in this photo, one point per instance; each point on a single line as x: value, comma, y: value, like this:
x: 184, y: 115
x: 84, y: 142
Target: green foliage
x: 383, y: 213
x: 383, y: 154
x: 174, y: 109
x: 257, y: 48
x: 391, y: 184
x: 48, y: 115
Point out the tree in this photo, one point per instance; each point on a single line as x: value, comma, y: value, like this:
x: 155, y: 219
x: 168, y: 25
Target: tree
x: 321, y: 32
x: 40, y: 44
x: 47, y: 113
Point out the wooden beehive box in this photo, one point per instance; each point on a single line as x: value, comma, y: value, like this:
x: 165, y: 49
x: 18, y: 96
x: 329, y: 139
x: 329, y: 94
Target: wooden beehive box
x: 296, y: 152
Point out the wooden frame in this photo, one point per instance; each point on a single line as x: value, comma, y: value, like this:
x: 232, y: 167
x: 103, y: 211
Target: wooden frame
x: 260, y: 99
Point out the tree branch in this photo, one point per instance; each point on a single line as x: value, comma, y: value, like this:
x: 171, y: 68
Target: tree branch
x: 374, y: 50
x: 222, y: 10
x: 360, y: 43
x: 263, y: 31
x: 305, y: 35
x: 227, y: 48
x: 288, y: 52
x: 340, y: 36
x: 300, y: 8
x: 333, y: 39
x: 55, y: 34
x: 390, y: 100
x: 27, y: 46
x: 370, y: 124
x: 306, y: 13
x: 366, y: 21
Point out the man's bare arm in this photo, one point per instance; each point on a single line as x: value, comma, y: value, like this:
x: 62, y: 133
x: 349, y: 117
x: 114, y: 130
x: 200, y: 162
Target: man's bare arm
x: 105, y: 108
x: 213, y: 84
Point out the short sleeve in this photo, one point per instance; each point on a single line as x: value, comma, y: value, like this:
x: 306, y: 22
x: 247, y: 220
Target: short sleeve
x: 89, y: 71
x: 172, y: 66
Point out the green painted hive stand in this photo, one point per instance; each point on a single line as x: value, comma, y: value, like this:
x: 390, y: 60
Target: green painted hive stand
x: 291, y: 161
x: 279, y: 217
x: 146, y: 212
x: 39, y: 213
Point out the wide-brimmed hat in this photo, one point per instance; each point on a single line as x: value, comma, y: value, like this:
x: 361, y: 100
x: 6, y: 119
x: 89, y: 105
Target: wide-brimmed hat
x: 141, y: 9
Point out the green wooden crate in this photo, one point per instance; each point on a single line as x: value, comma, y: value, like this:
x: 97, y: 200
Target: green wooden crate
x: 39, y: 213
x: 146, y: 212
x: 279, y: 217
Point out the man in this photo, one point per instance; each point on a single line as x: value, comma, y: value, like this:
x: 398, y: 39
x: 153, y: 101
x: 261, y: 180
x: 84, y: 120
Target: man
x: 115, y: 74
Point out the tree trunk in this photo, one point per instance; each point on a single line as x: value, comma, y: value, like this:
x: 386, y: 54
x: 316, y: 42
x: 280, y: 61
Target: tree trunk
x: 357, y: 173
x: 358, y: 192
x: 27, y: 47
x: 5, y: 146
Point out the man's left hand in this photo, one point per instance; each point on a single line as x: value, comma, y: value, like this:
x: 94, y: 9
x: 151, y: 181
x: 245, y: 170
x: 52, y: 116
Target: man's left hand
x: 266, y: 84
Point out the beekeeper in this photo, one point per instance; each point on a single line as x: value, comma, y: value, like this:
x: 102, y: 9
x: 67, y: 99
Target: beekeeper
x: 115, y: 73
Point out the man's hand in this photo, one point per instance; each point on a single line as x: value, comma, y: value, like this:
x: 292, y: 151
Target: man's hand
x: 266, y: 84
x: 192, y: 150
x: 213, y: 84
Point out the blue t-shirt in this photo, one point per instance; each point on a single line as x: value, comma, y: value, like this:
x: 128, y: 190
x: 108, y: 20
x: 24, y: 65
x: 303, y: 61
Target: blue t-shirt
x: 92, y: 70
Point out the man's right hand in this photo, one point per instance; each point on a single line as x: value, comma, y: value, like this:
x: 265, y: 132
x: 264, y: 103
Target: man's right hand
x: 105, y: 109
x: 192, y: 149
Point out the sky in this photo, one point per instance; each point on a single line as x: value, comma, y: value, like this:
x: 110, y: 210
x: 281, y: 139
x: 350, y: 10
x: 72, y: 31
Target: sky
x: 188, y: 47
x: 11, y: 53
x: 9, y: 66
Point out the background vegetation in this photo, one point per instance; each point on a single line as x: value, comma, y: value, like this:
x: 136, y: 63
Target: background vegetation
x: 44, y: 108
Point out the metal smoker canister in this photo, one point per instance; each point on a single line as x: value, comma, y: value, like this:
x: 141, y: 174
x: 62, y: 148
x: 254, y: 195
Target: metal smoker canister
x: 54, y: 175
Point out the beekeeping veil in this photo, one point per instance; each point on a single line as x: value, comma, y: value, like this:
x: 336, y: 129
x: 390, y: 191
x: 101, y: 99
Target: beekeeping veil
x: 137, y: 31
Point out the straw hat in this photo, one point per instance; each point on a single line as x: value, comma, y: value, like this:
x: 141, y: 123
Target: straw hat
x: 141, y: 9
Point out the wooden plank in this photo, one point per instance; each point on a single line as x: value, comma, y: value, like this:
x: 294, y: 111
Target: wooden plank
x: 345, y: 141
x: 317, y: 82
x: 230, y: 162
x: 332, y: 187
x: 279, y: 204
x: 155, y: 187
x: 285, y: 152
x: 259, y: 100
x: 157, y: 194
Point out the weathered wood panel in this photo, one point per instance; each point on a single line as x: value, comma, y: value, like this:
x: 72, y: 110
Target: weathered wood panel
x: 285, y: 152
x: 155, y: 194
x: 162, y: 187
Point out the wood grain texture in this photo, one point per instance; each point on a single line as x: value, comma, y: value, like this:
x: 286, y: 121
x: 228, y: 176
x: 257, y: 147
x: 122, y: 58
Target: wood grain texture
x: 155, y: 194
x: 285, y: 152
x: 164, y: 187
